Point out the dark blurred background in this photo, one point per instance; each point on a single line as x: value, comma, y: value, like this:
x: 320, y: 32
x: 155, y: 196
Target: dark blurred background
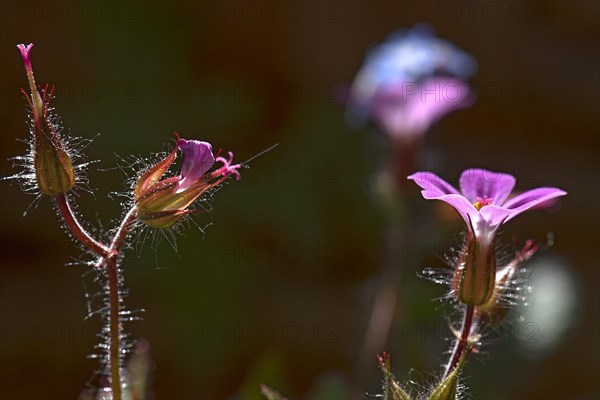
x: 278, y: 289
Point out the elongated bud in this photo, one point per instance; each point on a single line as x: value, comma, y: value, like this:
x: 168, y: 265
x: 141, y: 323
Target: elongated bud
x: 475, y: 275
x: 53, y: 166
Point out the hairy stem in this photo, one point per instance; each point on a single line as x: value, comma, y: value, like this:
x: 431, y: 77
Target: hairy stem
x: 123, y: 230
x: 115, y: 329
x: 114, y: 301
x: 77, y: 229
x: 108, y: 256
x: 462, y: 342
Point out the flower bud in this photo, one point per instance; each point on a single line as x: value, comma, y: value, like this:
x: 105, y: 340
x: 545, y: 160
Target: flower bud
x: 475, y: 277
x: 52, y: 164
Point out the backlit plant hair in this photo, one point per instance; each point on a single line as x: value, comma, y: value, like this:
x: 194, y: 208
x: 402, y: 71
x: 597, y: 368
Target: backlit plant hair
x: 403, y: 88
x: 54, y: 167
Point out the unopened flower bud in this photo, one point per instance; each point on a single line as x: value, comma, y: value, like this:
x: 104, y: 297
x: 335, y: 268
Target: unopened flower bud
x: 52, y: 164
x: 475, y: 275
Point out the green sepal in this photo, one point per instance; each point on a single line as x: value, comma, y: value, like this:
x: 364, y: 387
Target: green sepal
x: 391, y: 388
x: 448, y: 388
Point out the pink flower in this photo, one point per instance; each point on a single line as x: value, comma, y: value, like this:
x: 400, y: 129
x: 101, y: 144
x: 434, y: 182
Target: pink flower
x: 161, y: 203
x: 409, y: 82
x: 482, y: 203
x: 409, y: 109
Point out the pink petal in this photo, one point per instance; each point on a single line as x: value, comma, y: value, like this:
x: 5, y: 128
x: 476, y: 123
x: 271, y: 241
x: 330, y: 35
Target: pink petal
x: 197, y: 159
x: 435, y: 188
x: 529, y: 199
x: 478, y: 184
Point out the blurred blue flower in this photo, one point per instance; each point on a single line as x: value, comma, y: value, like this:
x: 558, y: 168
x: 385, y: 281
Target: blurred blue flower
x: 410, y: 81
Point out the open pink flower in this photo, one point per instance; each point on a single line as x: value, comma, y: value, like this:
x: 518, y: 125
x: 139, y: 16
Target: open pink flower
x: 482, y: 203
x: 482, y: 200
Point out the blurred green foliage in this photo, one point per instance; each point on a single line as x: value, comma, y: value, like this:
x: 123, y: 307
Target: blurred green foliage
x: 297, y: 243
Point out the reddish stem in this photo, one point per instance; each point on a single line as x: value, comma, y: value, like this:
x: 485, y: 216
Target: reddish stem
x: 123, y: 230
x: 110, y: 257
x: 115, y: 329
x: 115, y: 305
x: 77, y: 230
x: 462, y: 342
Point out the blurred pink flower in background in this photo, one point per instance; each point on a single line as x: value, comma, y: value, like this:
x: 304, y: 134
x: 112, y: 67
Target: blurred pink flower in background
x: 409, y: 82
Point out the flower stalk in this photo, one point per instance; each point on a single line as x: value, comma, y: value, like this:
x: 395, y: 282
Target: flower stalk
x: 156, y: 202
x: 462, y: 345
x: 477, y: 284
x: 406, y: 84
x: 77, y: 229
x: 108, y: 256
x: 116, y: 328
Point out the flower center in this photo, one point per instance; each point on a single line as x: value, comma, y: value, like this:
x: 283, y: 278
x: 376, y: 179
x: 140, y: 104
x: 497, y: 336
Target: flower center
x: 482, y: 201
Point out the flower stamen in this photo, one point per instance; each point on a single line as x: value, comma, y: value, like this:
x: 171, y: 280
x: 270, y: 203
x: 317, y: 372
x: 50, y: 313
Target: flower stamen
x: 482, y: 201
x: 228, y: 169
